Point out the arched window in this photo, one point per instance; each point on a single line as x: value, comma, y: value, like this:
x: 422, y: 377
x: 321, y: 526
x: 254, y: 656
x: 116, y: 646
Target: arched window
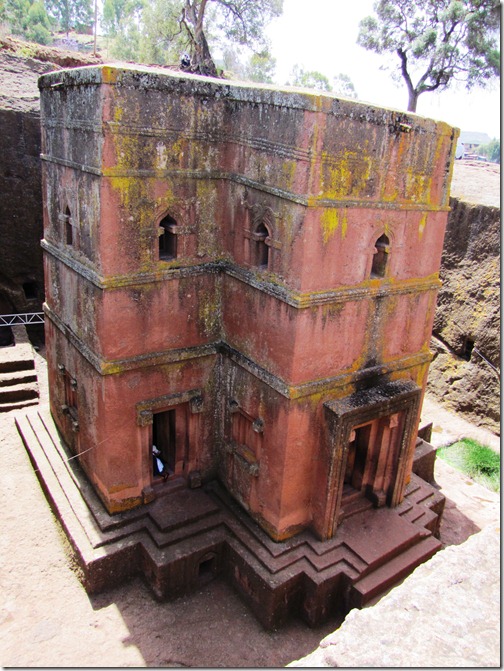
x: 168, y: 239
x: 380, y: 258
x: 261, y: 238
x: 69, y: 234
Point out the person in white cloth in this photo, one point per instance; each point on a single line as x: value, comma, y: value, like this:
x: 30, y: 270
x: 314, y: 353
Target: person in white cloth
x: 159, y: 466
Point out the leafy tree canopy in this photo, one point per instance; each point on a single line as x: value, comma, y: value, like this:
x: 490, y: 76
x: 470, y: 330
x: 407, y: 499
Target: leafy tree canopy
x: 491, y: 150
x: 310, y: 79
x: 244, y: 64
x: 200, y: 28
x: 342, y: 84
x: 261, y: 67
x: 115, y: 13
x: 236, y: 21
x: 28, y: 19
x: 437, y: 42
x: 71, y: 14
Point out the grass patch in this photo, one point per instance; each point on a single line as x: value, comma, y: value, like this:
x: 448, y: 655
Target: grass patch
x: 477, y: 461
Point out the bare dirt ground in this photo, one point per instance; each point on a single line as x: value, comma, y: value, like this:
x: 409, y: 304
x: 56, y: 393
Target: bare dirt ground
x: 47, y: 619
x: 476, y: 182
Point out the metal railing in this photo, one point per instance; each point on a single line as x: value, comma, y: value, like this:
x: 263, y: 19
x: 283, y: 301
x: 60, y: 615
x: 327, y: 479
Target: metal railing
x: 22, y: 318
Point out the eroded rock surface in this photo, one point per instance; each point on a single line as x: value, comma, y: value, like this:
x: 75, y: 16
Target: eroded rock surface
x: 467, y: 324
x: 446, y: 613
x: 21, y: 229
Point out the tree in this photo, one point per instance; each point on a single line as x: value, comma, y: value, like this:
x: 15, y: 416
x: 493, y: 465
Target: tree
x: 343, y: 86
x: 310, y: 79
x: 39, y: 26
x: 238, y: 21
x: 162, y: 31
x: 261, y: 67
x: 76, y: 14
x: 115, y: 12
x: 28, y: 19
x: 490, y: 150
x: 437, y: 42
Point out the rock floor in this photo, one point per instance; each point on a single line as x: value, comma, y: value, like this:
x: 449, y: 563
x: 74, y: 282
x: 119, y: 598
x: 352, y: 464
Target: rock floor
x: 47, y: 619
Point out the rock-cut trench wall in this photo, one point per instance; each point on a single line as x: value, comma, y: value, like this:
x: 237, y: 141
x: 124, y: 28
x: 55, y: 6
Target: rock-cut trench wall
x: 465, y: 371
x: 21, y: 221
x: 21, y: 272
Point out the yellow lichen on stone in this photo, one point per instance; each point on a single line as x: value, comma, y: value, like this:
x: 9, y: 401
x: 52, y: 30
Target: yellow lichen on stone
x: 289, y: 173
x: 421, y: 225
x: 418, y: 186
x: 333, y: 219
x: 347, y: 177
x: 208, y: 230
x: 109, y: 74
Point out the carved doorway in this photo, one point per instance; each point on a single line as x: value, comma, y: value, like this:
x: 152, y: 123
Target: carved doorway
x: 371, y: 461
x: 372, y: 439
x: 169, y: 435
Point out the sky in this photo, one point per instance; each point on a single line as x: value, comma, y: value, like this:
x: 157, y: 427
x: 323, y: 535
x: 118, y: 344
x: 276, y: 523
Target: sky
x: 321, y: 35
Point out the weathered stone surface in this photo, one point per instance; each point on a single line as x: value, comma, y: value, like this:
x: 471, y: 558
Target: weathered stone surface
x: 238, y: 276
x: 276, y: 211
x: 20, y: 185
x: 21, y: 229
x: 446, y: 613
x: 186, y: 537
x: 468, y: 315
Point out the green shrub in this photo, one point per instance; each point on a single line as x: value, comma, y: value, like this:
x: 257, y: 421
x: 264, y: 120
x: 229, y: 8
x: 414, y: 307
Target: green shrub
x: 477, y: 461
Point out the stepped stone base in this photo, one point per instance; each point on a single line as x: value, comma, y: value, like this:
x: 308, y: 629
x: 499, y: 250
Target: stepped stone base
x: 185, y: 537
x: 18, y: 379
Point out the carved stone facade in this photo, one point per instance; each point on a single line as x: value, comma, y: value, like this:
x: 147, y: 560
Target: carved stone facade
x: 246, y: 278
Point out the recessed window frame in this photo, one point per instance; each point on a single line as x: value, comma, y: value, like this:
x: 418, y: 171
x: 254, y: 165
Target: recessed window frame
x: 168, y: 239
x: 262, y: 246
x: 380, y: 257
x: 68, y: 228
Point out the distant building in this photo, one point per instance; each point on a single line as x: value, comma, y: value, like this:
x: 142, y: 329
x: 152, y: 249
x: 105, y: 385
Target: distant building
x: 472, y: 140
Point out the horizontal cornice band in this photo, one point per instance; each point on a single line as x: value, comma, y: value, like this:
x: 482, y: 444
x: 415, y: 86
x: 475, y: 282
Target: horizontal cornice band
x: 215, y: 174
x: 115, y: 366
x: 118, y: 366
x: 282, y: 293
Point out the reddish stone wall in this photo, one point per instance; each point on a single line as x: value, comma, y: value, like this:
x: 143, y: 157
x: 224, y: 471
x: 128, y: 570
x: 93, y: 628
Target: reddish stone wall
x: 268, y: 312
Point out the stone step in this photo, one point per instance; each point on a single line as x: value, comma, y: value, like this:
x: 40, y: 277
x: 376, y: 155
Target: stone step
x: 15, y: 358
x: 419, y: 494
x: 17, y: 377
x: 187, y: 535
x: 354, y: 505
x: 165, y: 488
x: 425, y: 518
x: 350, y: 494
x: 19, y: 392
x: 392, y: 572
x: 18, y: 405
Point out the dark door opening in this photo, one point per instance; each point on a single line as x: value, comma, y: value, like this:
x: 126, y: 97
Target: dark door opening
x: 164, y: 436
x: 357, y: 455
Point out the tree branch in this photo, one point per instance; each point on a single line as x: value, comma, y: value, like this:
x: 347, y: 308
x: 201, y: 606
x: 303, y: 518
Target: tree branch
x: 404, y: 68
